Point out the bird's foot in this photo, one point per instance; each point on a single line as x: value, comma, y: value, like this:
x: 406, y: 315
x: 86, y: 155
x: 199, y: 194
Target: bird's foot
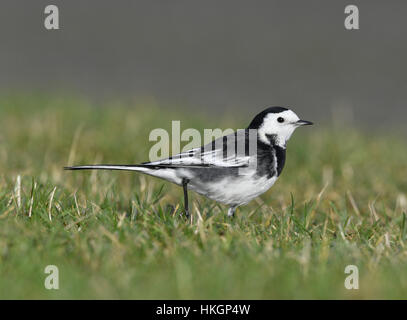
x: 231, y: 212
x: 185, y: 214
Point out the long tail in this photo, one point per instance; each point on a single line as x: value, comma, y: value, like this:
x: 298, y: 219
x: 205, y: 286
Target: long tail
x: 159, y: 171
x: 137, y: 167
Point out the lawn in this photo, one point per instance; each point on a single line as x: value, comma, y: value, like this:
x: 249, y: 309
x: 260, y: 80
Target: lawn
x: 341, y: 200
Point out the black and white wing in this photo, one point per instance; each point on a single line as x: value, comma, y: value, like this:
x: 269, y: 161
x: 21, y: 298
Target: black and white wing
x: 226, y: 152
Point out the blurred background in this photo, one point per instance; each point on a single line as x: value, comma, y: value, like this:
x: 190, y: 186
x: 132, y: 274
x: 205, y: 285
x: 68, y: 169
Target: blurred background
x: 215, y: 56
x: 92, y: 91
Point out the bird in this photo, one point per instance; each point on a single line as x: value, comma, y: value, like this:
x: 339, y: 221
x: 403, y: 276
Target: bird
x: 233, y: 169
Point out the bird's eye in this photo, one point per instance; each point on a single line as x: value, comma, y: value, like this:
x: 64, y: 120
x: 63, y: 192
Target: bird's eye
x: 279, y: 119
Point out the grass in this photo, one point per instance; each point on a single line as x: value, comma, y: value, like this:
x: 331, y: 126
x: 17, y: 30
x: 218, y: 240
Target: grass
x: 120, y: 236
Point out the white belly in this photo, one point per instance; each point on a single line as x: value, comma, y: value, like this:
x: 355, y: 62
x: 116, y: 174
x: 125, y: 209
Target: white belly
x: 236, y: 191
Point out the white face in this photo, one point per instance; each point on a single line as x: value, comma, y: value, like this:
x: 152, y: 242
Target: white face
x: 281, y: 125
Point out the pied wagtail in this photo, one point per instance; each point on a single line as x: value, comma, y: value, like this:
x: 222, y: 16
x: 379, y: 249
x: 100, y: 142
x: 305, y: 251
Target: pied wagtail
x: 218, y: 171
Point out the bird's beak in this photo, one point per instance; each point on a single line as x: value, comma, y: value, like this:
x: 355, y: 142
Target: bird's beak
x: 303, y: 123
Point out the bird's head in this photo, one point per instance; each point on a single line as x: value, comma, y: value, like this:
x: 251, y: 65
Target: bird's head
x: 276, y: 125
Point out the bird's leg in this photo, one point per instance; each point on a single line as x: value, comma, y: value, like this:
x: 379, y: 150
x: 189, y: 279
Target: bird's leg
x: 231, y: 211
x: 184, y: 186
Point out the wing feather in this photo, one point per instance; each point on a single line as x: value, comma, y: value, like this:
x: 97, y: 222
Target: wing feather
x: 218, y: 153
